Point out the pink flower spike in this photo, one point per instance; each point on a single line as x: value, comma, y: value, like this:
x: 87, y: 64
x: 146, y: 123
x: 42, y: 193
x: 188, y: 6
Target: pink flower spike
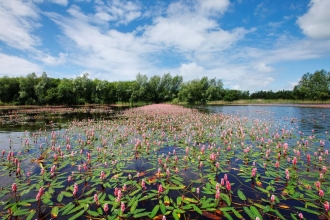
x: 122, y: 206
x: 321, y: 193
x: 326, y: 206
x: 272, y: 198
x: 106, y: 207
x: 14, y: 187
x: 160, y: 189
x: 96, y: 198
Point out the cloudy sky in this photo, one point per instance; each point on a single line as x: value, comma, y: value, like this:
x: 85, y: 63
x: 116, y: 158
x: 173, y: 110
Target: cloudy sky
x: 249, y: 44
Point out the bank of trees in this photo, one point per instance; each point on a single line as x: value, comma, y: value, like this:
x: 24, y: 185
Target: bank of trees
x: 44, y: 90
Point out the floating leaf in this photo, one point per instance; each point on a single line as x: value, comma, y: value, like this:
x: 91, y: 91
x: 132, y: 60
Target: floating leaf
x: 154, y: 211
x: 77, y: 215
x: 226, y: 198
x: 54, y: 212
x: 241, y: 195
x: 226, y: 214
x: 31, y: 215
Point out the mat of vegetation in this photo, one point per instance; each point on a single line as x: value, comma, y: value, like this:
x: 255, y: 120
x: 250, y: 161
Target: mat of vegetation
x: 168, y: 162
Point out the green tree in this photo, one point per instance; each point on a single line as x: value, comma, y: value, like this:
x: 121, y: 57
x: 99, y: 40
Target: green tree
x: 27, y: 94
x: 9, y: 89
x: 313, y: 86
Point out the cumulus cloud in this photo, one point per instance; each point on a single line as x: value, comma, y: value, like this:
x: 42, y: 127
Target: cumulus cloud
x: 191, y: 70
x: 315, y: 23
x: 16, y: 66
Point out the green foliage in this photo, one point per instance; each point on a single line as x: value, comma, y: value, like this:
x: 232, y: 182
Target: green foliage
x: 314, y: 86
x: 44, y: 90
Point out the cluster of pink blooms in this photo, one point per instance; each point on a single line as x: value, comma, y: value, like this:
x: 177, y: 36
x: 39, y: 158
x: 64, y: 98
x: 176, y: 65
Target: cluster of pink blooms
x: 160, y: 189
x: 287, y: 174
x: 14, y: 187
x: 254, y: 172
x: 40, y: 193
x: 96, y: 199
x: 212, y: 157
x: 272, y: 199
x: 106, y: 207
x: 102, y: 175
x: 52, y: 170
x: 122, y: 206
x: 75, y: 189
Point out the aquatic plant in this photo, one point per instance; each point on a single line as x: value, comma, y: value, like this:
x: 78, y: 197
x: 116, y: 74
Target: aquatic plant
x: 168, y: 162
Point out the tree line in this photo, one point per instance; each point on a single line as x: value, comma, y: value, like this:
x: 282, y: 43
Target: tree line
x: 44, y: 90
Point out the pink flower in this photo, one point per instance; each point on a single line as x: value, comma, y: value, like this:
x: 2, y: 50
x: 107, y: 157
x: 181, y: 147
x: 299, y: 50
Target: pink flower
x: 300, y: 215
x: 253, y: 172
x: 14, y: 187
x: 326, y: 206
x: 106, y: 207
x: 197, y: 191
x: 164, y: 217
x: 119, y: 195
x: 294, y: 161
x: 122, y: 206
x: 321, y: 193
x: 318, y: 184
x: 272, y: 199
x: 228, y: 186
x: 96, y: 198
x: 75, y: 189
x: 160, y: 189
x: 40, y: 193
x: 102, y: 175
x: 225, y: 177
x: 217, y: 194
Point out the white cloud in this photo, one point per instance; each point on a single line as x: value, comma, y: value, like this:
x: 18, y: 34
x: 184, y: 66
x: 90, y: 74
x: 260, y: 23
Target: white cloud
x: 211, y: 7
x: 263, y: 68
x: 316, y: 22
x: 191, y: 70
x: 15, y: 66
x: 51, y: 60
x: 60, y: 2
x: 122, y: 12
x: 18, y: 20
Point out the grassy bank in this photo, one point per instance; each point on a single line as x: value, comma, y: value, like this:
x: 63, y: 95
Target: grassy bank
x: 263, y: 102
x: 268, y: 101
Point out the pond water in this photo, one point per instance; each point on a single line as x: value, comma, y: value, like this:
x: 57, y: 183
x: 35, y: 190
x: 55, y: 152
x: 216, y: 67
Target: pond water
x: 144, y: 145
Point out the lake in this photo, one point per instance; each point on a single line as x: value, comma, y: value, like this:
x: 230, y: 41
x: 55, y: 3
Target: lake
x: 199, y: 162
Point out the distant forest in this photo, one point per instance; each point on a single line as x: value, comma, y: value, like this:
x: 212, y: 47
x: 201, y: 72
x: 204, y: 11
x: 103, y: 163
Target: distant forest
x: 44, y: 90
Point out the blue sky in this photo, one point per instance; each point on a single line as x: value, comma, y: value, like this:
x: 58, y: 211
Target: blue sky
x: 249, y: 44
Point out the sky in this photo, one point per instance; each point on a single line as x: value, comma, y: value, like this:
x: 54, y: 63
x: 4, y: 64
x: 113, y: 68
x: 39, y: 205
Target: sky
x: 249, y: 44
